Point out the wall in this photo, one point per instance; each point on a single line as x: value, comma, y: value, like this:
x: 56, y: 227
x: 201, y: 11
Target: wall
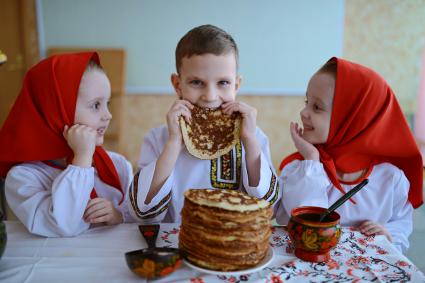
x: 386, y: 35
x: 280, y: 41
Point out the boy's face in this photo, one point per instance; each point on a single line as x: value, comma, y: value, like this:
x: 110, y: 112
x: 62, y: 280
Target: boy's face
x: 92, y: 103
x: 207, y: 80
x: 316, y: 115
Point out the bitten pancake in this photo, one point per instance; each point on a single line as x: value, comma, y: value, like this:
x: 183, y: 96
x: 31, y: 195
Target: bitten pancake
x: 211, y: 133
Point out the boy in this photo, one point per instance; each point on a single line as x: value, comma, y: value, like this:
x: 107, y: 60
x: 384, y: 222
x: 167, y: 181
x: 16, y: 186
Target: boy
x: 207, y: 63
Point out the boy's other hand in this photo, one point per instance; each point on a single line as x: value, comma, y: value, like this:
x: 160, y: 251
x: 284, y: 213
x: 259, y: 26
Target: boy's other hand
x: 82, y: 140
x: 371, y: 228
x: 249, y: 118
x: 100, y: 210
x: 306, y: 149
x: 179, y: 108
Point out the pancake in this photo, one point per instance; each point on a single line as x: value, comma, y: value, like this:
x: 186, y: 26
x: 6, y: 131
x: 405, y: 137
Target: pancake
x: 224, y: 230
x: 211, y: 133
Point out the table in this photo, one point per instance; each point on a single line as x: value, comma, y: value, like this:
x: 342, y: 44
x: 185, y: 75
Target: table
x: 98, y: 256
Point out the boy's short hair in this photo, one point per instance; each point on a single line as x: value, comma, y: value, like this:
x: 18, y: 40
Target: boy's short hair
x: 205, y: 39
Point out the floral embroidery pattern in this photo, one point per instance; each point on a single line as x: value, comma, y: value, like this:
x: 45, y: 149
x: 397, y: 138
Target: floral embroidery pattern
x: 226, y: 166
x: 356, y: 258
x: 167, y: 235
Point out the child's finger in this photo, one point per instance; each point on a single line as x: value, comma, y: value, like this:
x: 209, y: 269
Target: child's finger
x: 227, y: 104
x: 65, y: 131
x: 94, y: 201
x: 98, y: 213
x: 236, y: 107
x: 100, y: 219
x: 179, y: 110
x: 374, y: 230
x: 187, y: 104
x: 89, y: 214
x: 292, y: 129
x: 93, y: 207
x: 365, y: 225
x: 187, y: 115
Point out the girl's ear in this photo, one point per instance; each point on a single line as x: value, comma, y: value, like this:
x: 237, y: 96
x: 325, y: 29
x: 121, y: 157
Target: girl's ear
x: 175, y: 81
x: 238, y: 83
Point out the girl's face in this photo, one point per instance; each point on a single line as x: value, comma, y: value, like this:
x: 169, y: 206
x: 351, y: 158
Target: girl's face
x: 316, y: 115
x: 92, y: 103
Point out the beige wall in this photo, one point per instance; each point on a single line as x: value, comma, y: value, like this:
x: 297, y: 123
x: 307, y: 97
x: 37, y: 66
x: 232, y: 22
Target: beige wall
x: 386, y: 35
x: 389, y: 37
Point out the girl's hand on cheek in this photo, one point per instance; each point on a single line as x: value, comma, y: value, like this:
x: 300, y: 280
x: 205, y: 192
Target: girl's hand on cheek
x: 371, y: 228
x: 100, y: 210
x: 306, y: 149
x: 82, y: 140
x: 249, y: 118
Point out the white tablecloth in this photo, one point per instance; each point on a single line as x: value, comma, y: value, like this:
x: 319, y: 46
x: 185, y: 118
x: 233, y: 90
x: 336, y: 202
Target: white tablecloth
x: 98, y: 256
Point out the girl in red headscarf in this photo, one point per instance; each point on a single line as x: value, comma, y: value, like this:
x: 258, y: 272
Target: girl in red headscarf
x: 59, y: 178
x: 353, y: 129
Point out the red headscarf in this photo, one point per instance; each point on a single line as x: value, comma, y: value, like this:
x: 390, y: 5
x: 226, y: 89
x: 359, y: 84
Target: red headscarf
x: 46, y: 103
x: 367, y: 128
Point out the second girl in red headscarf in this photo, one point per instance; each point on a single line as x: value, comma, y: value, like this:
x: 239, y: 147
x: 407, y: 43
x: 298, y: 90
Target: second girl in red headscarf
x: 353, y: 129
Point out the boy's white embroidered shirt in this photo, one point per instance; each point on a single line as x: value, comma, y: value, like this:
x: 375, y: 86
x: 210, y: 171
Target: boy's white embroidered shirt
x: 227, y: 172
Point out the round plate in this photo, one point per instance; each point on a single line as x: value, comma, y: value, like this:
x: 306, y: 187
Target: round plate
x: 262, y: 264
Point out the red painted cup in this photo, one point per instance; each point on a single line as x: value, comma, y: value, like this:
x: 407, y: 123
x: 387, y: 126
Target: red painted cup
x: 312, y: 239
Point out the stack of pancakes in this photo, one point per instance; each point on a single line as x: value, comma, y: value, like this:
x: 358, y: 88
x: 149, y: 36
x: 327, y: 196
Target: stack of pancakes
x: 224, y: 230
x: 211, y: 133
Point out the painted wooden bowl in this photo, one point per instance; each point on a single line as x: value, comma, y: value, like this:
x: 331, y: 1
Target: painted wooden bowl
x: 312, y: 239
x: 152, y: 263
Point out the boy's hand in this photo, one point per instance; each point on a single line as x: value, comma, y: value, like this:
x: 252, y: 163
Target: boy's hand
x: 306, y: 149
x: 82, y: 140
x: 371, y: 228
x: 249, y: 119
x: 248, y: 137
x: 179, y: 108
x: 100, y: 210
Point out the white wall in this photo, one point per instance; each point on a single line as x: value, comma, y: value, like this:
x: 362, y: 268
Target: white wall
x: 281, y: 42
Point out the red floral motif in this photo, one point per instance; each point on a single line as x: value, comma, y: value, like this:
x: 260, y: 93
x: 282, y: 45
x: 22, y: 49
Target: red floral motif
x: 197, y: 280
x: 332, y: 264
x: 276, y: 279
x: 401, y: 263
x: 148, y: 233
x: 327, y: 232
x: 355, y: 261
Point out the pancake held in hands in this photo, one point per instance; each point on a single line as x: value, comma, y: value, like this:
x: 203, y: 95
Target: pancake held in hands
x: 224, y: 230
x: 211, y: 133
